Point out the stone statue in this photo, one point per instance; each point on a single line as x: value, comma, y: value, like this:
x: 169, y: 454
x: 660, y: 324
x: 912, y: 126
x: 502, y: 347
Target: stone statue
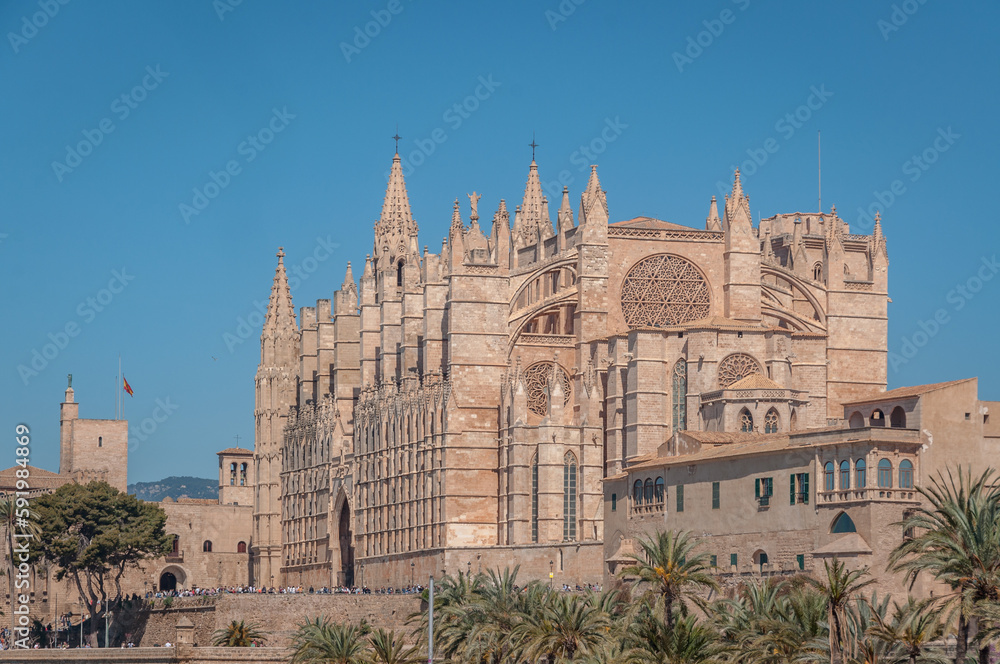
x: 474, y: 199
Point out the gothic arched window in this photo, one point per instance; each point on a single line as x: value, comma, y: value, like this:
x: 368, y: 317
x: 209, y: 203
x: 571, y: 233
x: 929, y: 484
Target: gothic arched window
x: 771, y: 421
x: 746, y: 421
x: 679, y: 391
x: 569, y: 497
x: 818, y: 272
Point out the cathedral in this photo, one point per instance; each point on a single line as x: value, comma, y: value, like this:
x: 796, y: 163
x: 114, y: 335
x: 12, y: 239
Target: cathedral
x: 464, y: 410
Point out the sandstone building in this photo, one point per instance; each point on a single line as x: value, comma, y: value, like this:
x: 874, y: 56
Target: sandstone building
x: 493, y: 403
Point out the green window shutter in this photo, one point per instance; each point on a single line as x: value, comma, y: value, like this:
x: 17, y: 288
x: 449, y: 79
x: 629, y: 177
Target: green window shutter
x: 680, y: 497
x: 805, y: 488
x: 614, y: 502
x: 732, y: 559
x: 715, y: 495
x: 801, y: 560
x: 756, y: 488
x: 791, y: 489
x: 713, y: 561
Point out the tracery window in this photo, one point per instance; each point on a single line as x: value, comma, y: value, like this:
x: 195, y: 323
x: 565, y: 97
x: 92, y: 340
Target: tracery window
x: 746, y: 421
x: 679, y: 392
x: 569, y: 497
x: 536, y: 380
x: 771, y: 421
x: 664, y: 290
x: 736, y: 367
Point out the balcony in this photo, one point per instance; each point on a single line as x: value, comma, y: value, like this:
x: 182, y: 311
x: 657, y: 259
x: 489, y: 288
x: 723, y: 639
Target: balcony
x: 868, y: 494
x: 647, y: 508
x: 175, y: 557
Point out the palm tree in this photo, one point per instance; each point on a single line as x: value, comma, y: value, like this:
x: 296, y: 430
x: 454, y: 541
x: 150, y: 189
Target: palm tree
x: 687, y: 642
x: 567, y: 629
x: 913, y: 626
x: 18, y: 524
x: 319, y: 641
x: 238, y: 634
x: 957, y: 540
x: 674, y: 572
x: 388, y: 648
x: 839, y: 587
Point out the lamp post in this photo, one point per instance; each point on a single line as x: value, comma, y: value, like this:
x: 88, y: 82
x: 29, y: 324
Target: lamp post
x: 469, y: 569
x: 412, y: 565
x: 107, y: 616
x: 551, y: 573
x: 430, y: 623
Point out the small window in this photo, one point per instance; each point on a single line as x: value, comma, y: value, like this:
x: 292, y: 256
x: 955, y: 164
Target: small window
x: 715, y: 495
x: 680, y: 497
x: 746, y: 421
x: 801, y: 560
x: 843, y: 524
x: 733, y: 559
x: 241, y: 547
x: 828, y: 476
x: 845, y: 475
x: 968, y: 416
x: 860, y: 481
x: 905, y: 474
x: 659, y: 490
x: 647, y: 491
x: 207, y: 546
x: 771, y: 421
x: 614, y: 502
x: 885, y: 474
x: 986, y: 418
x: 818, y: 272
x: 100, y: 441
x: 637, y: 492
x: 739, y: 335
x: 713, y: 561
x: 877, y: 419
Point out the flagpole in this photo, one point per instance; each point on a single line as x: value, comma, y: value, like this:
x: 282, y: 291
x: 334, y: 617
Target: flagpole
x: 121, y: 408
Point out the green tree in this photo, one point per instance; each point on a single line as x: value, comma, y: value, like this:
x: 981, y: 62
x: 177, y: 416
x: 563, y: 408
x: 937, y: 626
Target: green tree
x: 20, y: 526
x: 911, y: 629
x: 568, y: 628
x: 320, y: 641
x: 674, y: 572
x: 839, y: 587
x: 388, y: 648
x: 687, y: 642
x: 957, y: 540
x: 93, y: 533
x: 238, y: 634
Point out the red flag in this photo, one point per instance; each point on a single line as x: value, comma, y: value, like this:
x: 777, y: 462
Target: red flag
x: 128, y: 388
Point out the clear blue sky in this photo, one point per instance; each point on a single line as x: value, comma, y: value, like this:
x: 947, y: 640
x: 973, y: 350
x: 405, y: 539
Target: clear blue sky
x: 677, y: 127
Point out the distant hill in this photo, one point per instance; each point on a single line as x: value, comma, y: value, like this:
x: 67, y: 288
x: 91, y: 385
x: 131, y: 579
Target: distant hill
x: 175, y: 487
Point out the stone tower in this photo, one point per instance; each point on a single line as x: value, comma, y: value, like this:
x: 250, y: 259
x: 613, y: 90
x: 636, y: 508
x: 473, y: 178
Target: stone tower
x: 92, y: 449
x: 235, y: 476
x: 276, y: 385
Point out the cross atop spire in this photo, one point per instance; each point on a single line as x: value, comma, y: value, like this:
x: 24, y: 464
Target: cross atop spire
x: 396, y: 138
x: 533, y: 145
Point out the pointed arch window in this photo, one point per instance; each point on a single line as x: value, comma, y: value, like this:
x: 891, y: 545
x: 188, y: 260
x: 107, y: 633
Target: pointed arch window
x: 534, y: 499
x: 680, y: 388
x: 771, y: 421
x: 843, y: 524
x: 569, y: 497
x: 818, y: 272
x: 746, y: 421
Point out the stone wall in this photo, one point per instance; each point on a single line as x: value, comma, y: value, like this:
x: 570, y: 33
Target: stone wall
x: 278, y: 615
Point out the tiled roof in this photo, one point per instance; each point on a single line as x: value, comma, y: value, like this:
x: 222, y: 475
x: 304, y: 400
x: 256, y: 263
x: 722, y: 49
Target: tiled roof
x: 755, y: 382
x: 851, y: 543
x: 651, y: 223
x: 235, y: 450
x: 907, y: 392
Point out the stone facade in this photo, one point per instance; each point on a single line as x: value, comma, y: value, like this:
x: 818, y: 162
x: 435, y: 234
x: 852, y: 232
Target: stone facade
x: 462, y: 408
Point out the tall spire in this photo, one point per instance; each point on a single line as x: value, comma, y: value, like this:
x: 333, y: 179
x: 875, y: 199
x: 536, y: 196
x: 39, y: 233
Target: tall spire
x: 280, y: 312
x: 531, y: 221
x: 456, y: 219
x: 738, y: 206
x: 565, y: 215
x: 713, y: 223
x: 396, y: 222
x: 593, y: 201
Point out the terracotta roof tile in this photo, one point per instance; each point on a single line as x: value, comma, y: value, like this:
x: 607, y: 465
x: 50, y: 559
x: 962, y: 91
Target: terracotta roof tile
x: 907, y: 392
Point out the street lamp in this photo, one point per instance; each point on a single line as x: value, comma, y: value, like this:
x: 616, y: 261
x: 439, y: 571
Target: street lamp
x: 412, y: 565
x: 469, y: 569
x: 551, y: 573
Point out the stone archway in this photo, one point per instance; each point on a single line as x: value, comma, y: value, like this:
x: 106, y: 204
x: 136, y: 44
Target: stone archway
x: 345, y: 542
x: 172, y: 578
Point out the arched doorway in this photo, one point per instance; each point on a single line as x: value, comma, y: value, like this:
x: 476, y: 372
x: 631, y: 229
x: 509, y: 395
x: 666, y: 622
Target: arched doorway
x: 346, y: 549
x: 168, y: 582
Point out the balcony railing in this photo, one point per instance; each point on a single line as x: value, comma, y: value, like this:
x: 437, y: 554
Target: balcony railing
x: 887, y: 494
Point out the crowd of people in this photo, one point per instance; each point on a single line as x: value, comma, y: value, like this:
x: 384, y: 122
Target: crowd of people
x: 285, y: 590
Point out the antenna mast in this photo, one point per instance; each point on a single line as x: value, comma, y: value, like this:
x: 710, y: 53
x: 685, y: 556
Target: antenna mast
x: 819, y: 171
